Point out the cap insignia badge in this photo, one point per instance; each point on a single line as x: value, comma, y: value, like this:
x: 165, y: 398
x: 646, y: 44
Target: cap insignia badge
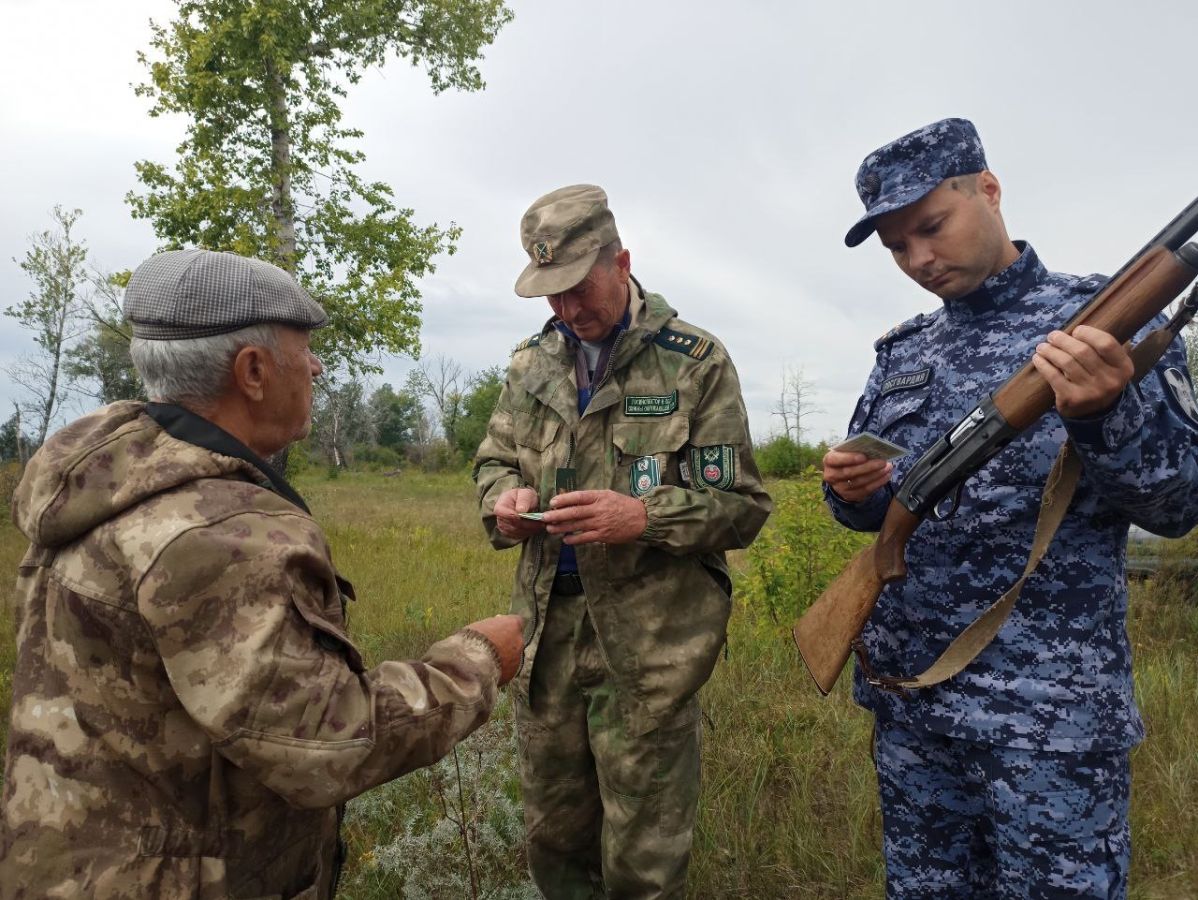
x: 542, y: 252
x: 871, y: 185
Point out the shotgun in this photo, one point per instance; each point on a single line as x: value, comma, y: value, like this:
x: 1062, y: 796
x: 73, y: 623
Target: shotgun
x: 826, y: 633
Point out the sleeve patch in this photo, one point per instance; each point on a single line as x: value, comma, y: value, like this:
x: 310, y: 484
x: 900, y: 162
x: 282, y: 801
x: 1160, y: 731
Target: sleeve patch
x: 1181, y: 394
x: 713, y: 467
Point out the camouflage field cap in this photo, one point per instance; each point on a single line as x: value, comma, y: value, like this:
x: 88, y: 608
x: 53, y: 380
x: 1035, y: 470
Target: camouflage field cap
x: 905, y: 170
x: 185, y: 294
x: 562, y: 233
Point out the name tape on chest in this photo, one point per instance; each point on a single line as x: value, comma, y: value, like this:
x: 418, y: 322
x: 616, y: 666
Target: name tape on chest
x: 661, y: 405
x: 905, y: 381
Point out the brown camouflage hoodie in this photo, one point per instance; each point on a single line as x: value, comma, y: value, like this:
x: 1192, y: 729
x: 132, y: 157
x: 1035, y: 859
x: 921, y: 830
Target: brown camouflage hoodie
x: 188, y: 711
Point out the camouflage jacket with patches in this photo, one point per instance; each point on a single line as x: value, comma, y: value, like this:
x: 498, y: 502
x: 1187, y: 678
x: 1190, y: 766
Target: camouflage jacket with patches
x: 1058, y: 675
x: 659, y: 605
x: 187, y: 709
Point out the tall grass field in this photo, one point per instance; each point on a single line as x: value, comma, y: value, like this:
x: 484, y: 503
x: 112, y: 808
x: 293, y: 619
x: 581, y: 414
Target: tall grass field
x: 789, y: 806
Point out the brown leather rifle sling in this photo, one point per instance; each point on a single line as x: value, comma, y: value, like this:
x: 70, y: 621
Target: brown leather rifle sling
x: 1058, y: 493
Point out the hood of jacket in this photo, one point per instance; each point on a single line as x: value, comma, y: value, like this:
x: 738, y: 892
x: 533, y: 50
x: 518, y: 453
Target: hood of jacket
x: 103, y: 464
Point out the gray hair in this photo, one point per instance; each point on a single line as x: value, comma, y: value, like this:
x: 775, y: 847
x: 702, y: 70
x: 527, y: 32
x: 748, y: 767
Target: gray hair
x: 608, y: 252
x: 196, y: 370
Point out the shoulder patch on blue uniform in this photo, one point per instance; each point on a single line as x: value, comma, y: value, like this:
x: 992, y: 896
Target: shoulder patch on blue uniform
x: 533, y: 341
x: 691, y: 344
x: 1180, y: 393
x: 898, y: 331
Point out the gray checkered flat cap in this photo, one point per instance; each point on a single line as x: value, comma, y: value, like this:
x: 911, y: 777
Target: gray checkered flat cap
x: 183, y: 294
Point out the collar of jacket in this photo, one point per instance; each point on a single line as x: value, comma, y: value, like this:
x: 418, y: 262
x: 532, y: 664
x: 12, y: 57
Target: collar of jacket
x: 1000, y: 291
x: 548, y: 373
x: 646, y: 323
x: 184, y: 425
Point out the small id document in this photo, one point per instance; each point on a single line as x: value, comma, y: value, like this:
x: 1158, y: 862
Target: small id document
x: 534, y: 516
x: 872, y: 446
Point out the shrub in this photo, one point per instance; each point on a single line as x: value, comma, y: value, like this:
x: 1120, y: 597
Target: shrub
x: 377, y: 458
x: 779, y: 457
x: 800, y: 551
x: 408, y: 837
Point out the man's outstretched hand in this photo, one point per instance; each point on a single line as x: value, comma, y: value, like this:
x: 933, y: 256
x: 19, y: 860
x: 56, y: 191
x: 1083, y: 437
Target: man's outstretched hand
x: 506, y: 634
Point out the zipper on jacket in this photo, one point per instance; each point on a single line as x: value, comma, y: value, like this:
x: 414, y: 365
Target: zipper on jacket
x: 611, y: 361
x: 536, y: 609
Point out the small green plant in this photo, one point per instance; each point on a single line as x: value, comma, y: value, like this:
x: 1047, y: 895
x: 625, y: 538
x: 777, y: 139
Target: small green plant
x: 804, y: 548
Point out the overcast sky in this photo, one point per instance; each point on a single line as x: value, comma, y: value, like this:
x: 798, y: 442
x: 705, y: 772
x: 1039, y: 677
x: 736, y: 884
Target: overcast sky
x: 727, y: 136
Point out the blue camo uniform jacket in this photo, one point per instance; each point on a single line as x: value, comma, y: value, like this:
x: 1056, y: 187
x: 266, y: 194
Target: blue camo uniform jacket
x: 1058, y: 674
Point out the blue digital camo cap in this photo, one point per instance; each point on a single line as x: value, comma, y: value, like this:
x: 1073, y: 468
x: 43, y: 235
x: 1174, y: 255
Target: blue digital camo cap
x: 907, y: 169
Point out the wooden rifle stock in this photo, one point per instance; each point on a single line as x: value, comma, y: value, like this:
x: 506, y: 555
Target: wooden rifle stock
x: 826, y: 632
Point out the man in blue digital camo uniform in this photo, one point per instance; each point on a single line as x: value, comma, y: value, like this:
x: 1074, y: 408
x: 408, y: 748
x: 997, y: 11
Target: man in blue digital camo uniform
x: 1011, y: 779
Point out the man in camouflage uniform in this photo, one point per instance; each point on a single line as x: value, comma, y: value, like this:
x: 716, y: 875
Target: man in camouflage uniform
x: 188, y: 712
x: 1011, y: 779
x: 623, y: 582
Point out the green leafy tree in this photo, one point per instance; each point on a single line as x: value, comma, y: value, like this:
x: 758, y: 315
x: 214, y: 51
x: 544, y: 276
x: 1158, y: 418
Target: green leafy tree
x: 477, y: 406
x: 14, y: 446
x: 267, y: 169
x: 55, y: 262
x: 397, y: 418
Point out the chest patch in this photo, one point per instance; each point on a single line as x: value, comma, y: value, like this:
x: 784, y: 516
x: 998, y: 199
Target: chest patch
x: 905, y: 381
x: 1177, y: 386
x: 645, y: 475
x: 651, y: 405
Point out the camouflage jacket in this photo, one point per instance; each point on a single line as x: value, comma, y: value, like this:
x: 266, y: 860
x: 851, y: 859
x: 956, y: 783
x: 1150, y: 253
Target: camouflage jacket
x: 187, y: 709
x: 666, y: 421
x: 1058, y: 674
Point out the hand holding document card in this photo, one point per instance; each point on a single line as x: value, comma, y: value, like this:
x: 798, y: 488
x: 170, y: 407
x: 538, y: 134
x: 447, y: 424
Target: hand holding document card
x: 872, y: 446
x: 567, y: 480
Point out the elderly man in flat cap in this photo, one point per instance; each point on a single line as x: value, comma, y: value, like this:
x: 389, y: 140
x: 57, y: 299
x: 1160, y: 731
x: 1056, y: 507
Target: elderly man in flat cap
x: 1010, y: 779
x: 618, y: 458
x: 188, y: 712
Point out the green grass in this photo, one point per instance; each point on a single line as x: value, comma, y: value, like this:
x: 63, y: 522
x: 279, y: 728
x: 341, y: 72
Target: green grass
x: 788, y: 806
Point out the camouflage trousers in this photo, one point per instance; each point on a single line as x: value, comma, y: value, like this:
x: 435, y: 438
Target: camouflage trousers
x: 961, y: 819
x: 607, y: 814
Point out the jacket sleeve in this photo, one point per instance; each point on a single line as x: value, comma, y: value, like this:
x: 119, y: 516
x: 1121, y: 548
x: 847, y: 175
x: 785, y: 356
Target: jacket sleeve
x: 706, y: 518
x: 868, y: 514
x: 497, y: 467
x: 1142, y: 455
x: 245, y: 613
